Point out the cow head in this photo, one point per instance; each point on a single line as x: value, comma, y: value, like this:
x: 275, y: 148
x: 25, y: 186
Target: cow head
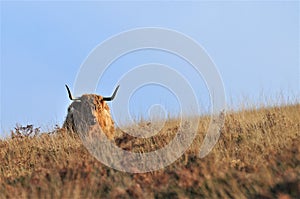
x: 90, y: 111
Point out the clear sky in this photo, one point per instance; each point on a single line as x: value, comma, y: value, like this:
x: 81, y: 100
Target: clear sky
x: 255, y: 46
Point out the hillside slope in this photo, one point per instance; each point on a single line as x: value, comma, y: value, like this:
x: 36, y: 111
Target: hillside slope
x: 257, y: 156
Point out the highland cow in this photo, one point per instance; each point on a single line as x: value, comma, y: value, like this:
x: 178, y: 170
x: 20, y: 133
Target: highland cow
x: 90, y: 112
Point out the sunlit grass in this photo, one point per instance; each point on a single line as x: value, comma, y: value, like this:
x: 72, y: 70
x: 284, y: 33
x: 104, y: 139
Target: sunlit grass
x: 257, y: 155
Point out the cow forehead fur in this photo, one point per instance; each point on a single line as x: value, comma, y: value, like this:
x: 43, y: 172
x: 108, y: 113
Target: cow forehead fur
x: 90, y: 110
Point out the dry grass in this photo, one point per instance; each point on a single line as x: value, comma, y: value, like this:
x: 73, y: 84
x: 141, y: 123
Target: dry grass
x: 257, y: 156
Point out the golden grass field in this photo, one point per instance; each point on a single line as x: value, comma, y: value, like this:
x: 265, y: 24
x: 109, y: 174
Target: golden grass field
x: 257, y: 156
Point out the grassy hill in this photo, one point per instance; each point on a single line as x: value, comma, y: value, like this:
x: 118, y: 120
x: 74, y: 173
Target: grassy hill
x: 257, y: 156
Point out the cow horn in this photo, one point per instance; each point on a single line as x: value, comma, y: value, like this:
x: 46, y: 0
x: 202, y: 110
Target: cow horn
x: 70, y: 94
x: 113, y: 95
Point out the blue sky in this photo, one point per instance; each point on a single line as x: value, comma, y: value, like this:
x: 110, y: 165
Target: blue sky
x: 255, y: 46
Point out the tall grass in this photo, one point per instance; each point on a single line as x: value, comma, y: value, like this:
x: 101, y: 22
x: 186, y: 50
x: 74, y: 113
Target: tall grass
x: 257, y: 156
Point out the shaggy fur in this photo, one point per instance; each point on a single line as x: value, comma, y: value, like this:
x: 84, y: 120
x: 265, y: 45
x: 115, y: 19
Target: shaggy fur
x: 87, y: 113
